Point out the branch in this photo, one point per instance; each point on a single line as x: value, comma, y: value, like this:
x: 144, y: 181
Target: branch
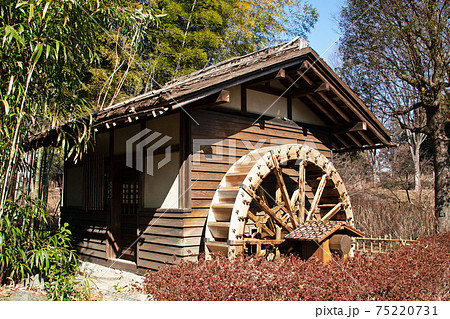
x: 409, y: 109
x: 412, y: 128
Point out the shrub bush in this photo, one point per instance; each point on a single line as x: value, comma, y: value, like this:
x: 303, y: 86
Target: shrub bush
x: 29, y: 247
x: 415, y: 272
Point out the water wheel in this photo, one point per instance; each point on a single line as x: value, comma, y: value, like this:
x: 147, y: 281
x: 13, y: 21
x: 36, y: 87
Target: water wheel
x: 267, y: 194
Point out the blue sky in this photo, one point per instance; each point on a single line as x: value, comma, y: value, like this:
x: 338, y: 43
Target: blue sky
x: 325, y: 32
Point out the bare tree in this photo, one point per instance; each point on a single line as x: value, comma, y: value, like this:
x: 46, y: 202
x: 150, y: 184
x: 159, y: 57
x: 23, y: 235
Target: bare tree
x: 408, y: 43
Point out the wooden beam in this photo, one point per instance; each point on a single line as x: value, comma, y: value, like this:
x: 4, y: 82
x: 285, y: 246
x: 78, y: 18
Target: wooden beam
x: 287, y: 81
x: 340, y: 139
x: 223, y: 97
x: 359, y: 126
x: 294, y: 82
x: 260, y: 224
x: 319, y: 191
x: 302, y: 191
x: 364, y: 148
x: 335, y: 107
x: 317, y: 196
x: 304, y: 67
x: 281, y: 74
x: 366, y: 138
x: 332, y: 212
x: 322, y: 109
x: 265, y: 89
x: 354, y: 139
x: 243, y: 98
x: 289, y: 107
x: 312, y: 89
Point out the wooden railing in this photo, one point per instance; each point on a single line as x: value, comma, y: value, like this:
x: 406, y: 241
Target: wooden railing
x: 380, y: 245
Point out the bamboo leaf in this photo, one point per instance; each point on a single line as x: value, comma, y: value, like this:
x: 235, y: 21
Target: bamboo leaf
x: 37, y: 53
x: 10, y: 86
x: 5, y: 103
x: 31, y: 13
x: 47, y: 50
x: 57, y: 46
x: 45, y: 9
x: 19, y: 4
x: 11, y: 33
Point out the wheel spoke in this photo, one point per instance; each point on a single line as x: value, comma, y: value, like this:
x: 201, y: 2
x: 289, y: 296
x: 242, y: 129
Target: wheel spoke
x: 332, y: 212
x: 294, y: 197
x: 259, y: 224
x: 318, y: 194
x: 260, y: 192
x: 301, y: 194
x: 267, y: 210
x: 283, y: 189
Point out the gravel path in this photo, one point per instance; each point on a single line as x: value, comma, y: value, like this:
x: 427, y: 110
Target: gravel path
x: 113, y: 284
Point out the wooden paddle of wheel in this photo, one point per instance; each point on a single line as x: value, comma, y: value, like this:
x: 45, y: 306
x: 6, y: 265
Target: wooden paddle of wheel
x: 267, y: 194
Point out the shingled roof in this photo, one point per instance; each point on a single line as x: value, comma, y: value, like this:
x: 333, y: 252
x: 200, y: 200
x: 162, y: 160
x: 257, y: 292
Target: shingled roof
x: 318, y: 231
x: 294, y: 64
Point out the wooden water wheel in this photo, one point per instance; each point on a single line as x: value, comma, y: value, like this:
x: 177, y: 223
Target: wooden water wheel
x: 267, y: 194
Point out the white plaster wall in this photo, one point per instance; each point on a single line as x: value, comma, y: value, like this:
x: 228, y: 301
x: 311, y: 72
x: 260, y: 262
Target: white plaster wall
x: 267, y: 104
x: 161, y: 188
x: 302, y: 113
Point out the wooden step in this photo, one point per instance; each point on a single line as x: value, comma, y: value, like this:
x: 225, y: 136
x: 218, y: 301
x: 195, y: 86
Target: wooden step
x: 227, y: 194
x: 222, y: 211
x: 235, y: 179
x: 217, y: 247
x: 219, y: 229
x: 243, y: 168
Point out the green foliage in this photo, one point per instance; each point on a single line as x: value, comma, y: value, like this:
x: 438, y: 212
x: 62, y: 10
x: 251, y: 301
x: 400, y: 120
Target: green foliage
x: 46, y: 47
x: 196, y: 33
x: 28, y: 247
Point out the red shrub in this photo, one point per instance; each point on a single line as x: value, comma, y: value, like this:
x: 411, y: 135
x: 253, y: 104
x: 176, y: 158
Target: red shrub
x: 415, y: 272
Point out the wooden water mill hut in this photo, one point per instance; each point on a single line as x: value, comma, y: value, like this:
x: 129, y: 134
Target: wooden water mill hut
x: 236, y: 157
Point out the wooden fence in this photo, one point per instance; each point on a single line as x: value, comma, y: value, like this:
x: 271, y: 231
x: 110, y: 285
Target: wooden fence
x: 380, y: 245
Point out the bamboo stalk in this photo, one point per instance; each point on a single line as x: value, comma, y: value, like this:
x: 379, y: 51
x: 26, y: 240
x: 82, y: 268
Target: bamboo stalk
x: 13, y: 152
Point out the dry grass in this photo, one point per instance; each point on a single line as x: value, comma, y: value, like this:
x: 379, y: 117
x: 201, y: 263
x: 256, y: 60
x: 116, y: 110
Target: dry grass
x: 379, y: 213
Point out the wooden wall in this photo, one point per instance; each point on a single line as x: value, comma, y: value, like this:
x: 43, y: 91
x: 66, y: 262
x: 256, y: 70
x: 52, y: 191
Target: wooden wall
x: 167, y: 237
x: 88, y: 231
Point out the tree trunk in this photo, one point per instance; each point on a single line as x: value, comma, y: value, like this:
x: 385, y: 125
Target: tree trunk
x: 372, y: 154
x: 415, y: 154
x: 37, y: 178
x: 441, y: 160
